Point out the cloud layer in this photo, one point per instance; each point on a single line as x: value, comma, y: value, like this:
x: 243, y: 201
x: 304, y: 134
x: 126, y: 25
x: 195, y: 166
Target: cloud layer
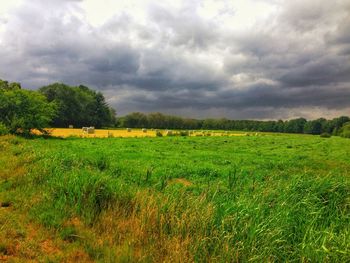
x: 264, y: 59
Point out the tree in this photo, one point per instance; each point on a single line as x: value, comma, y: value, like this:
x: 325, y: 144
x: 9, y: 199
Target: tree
x: 313, y: 127
x: 5, y: 85
x: 334, y: 126
x: 156, y: 120
x: 135, y: 120
x: 345, y: 130
x: 295, y: 125
x: 21, y: 111
x: 102, y: 114
x: 79, y: 106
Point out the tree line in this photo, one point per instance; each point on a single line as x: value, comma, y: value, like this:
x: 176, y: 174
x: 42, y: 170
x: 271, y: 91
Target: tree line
x: 299, y: 125
x: 55, y: 105
x: 61, y: 105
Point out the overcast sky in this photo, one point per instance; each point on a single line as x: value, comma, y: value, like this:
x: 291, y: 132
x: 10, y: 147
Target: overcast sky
x: 262, y: 59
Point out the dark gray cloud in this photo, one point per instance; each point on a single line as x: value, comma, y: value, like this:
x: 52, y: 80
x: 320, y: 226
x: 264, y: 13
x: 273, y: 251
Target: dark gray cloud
x: 295, y: 61
x: 184, y: 28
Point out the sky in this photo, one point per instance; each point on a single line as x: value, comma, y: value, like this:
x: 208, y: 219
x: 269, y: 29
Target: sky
x: 239, y: 59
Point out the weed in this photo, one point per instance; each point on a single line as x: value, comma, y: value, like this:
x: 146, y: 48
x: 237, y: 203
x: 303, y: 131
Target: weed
x: 102, y: 163
x: 149, y: 172
x: 232, y: 178
x: 69, y: 233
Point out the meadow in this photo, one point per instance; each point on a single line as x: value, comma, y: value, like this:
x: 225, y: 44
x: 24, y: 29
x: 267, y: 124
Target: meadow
x: 268, y: 198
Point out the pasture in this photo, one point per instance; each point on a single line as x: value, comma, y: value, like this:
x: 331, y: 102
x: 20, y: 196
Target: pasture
x: 268, y: 198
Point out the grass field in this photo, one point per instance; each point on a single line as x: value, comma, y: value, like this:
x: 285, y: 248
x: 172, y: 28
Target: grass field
x: 265, y: 198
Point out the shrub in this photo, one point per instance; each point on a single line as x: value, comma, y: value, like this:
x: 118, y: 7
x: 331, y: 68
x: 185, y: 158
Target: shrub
x: 184, y: 133
x: 345, y: 130
x: 325, y: 135
x: 345, y: 134
x: 3, y: 129
x: 23, y: 110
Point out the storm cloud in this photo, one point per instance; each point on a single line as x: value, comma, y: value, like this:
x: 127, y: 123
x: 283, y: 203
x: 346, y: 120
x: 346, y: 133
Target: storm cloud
x: 263, y: 59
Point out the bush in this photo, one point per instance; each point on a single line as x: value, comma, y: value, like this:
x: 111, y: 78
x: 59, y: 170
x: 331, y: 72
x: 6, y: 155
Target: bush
x: 184, y: 133
x: 345, y: 130
x: 345, y: 134
x: 3, y: 129
x: 23, y: 110
x: 159, y: 134
x: 325, y: 135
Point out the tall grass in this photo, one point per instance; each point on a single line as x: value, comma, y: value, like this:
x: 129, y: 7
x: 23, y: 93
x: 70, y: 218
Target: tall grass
x: 275, y: 198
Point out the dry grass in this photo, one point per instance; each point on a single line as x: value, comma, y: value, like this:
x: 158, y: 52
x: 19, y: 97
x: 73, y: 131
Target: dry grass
x: 181, y: 181
x: 148, y: 234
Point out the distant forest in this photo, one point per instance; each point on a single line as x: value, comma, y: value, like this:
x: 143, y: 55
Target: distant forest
x: 61, y: 105
x: 299, y: 125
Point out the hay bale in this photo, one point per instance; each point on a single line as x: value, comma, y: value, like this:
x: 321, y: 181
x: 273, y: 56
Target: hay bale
x: 169, y: 133
x: 91, y: 130
x: 144, y: 130
x: 70, y: 127
x: 128, y: 129
x: 85, y: 129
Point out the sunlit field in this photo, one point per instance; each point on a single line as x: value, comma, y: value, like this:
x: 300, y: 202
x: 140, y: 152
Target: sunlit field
x: 272, y: 198
x: 101, y: 133
x: 123, y: 133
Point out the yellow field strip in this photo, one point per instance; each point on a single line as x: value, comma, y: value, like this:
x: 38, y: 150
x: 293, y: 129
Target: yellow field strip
x: 99, y: 133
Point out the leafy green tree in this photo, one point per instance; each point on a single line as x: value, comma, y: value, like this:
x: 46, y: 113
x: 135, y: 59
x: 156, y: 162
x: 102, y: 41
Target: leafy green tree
x: 79, y: 106
x: 313, y: 127
x: 295, y: 125
x: 21, y: 111
x: 5, y: 85
x: 333, y: 126
x: 156, y: 120
x: 102, y: 114
x: 345, y: 130
x: 135, y: 120
x: 68, y: 102
x: 210, y: 124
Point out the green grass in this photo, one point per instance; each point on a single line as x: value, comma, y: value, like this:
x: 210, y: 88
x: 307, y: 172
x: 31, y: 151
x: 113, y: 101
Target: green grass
x: 228, y: 199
